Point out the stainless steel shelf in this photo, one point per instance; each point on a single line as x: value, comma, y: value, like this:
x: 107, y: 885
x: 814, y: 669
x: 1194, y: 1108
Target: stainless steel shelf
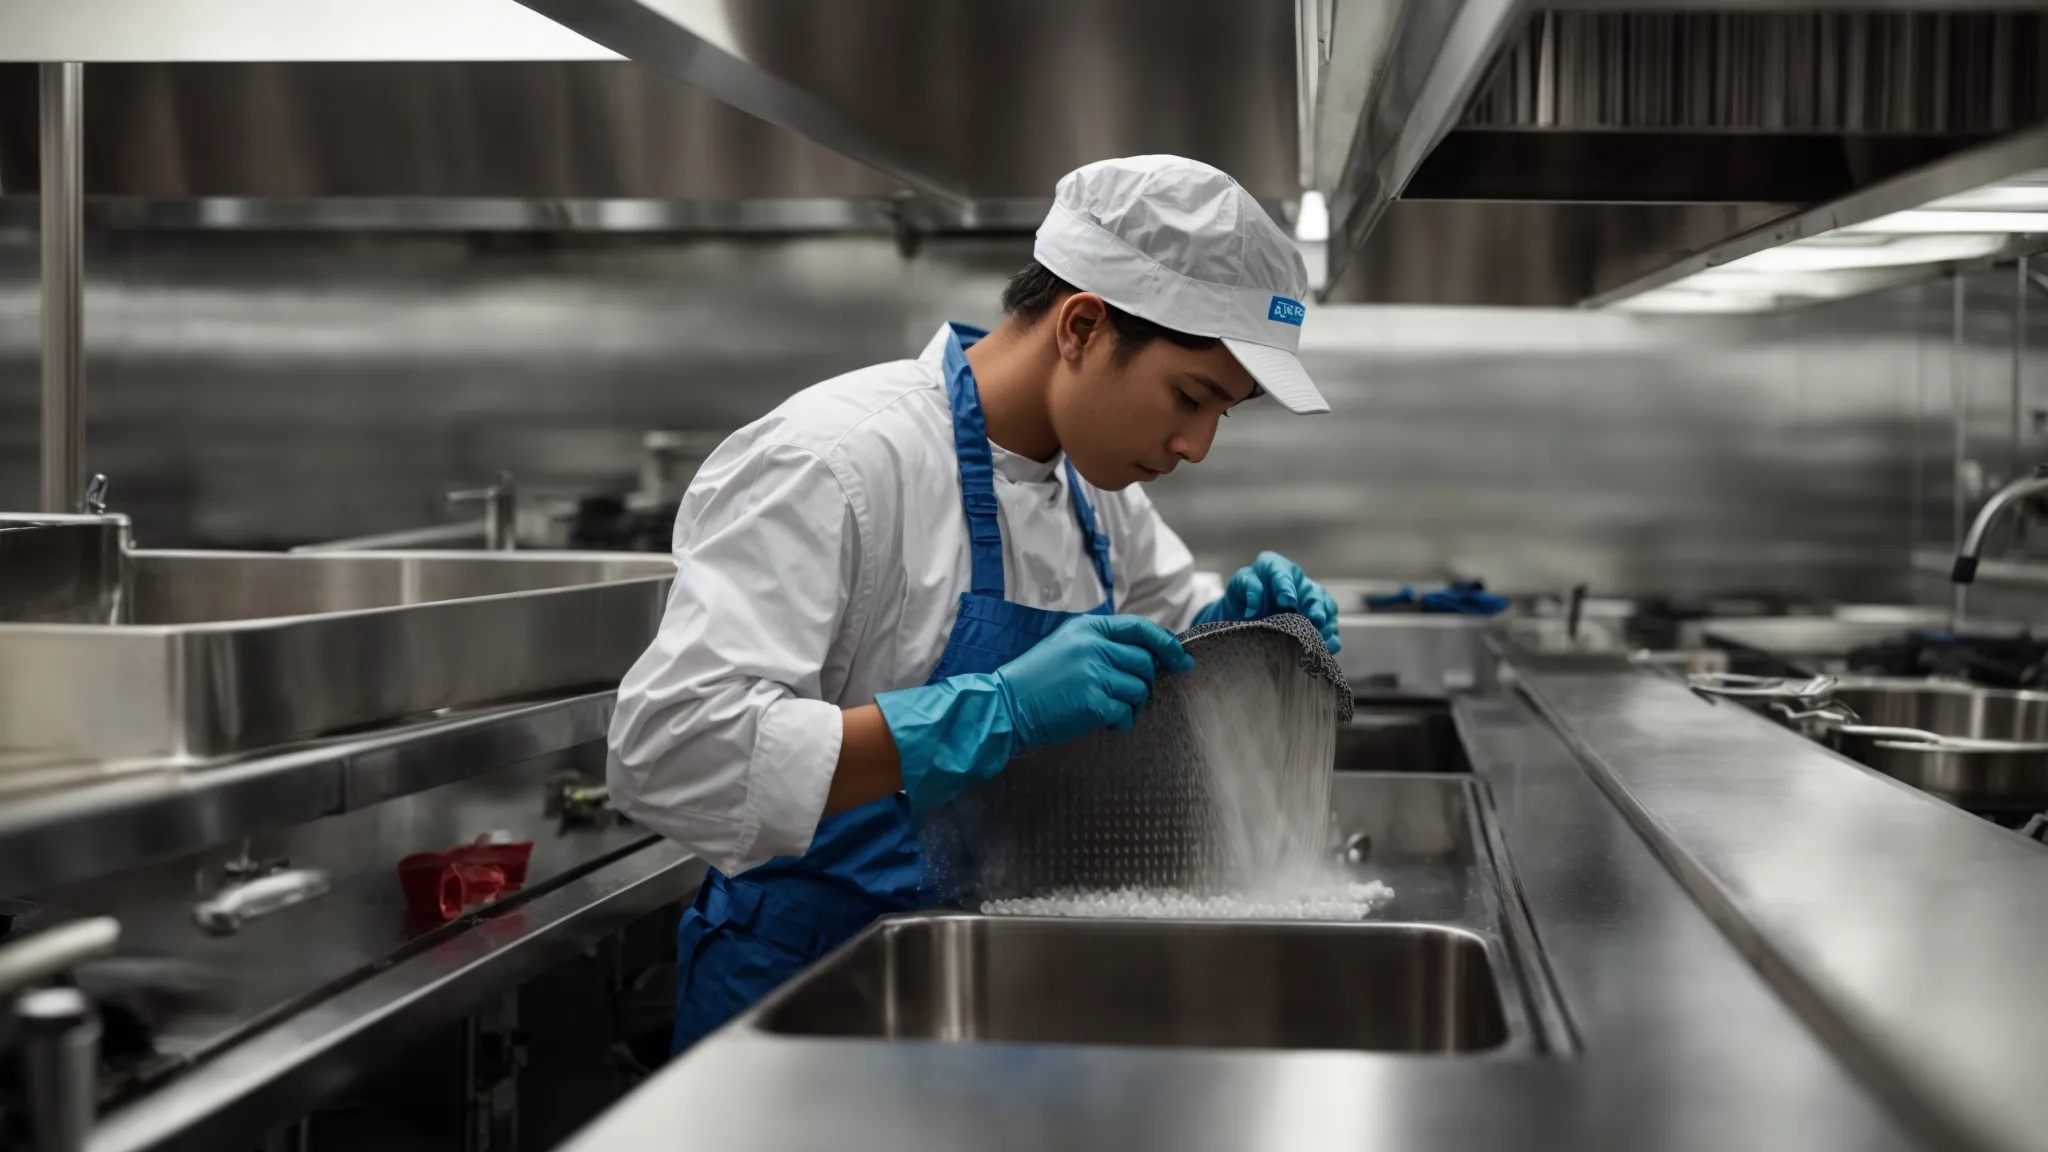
x: 90, y: 829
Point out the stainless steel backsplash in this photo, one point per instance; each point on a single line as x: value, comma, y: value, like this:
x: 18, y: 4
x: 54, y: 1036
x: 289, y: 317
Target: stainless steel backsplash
x: 267, y: 389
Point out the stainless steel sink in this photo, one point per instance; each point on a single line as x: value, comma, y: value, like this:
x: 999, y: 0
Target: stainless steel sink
x: 1770, y: 645
x: 216, y: 653
x: 208, y: 587
x: 964, y: 978
x: 61, y: 569
x: 1978, y: 778
x: 1449, y: 966
x: 1401, y: 736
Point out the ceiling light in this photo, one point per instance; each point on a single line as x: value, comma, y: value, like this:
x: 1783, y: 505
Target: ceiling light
x: 1864, y: 256
x: 1677, y: 298
x: 1312, y: 219
x: 2027, y: 192
x: 1837, y: 250
x: 1922, y: 221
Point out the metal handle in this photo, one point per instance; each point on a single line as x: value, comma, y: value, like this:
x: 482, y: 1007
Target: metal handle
x: 95, y: 502
x: 224, y: 913
x: 1812, y: 692
x: 1832, y: 712
x: 1842, y: 720
x: 36, y: 958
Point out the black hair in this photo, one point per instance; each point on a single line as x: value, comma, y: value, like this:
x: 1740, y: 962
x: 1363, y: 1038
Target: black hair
x: 1033, y: 291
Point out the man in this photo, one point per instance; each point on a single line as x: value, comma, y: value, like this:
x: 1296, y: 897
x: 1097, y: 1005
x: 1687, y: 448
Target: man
x: 897, y: 579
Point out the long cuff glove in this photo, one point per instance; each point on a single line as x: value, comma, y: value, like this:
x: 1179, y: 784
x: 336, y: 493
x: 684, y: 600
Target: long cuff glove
x: 1273, y: 583
x: 1093, y: 672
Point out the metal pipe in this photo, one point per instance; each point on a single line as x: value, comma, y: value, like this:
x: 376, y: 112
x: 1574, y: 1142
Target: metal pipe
x: 2019, y: 359
x: 1920, y: 421
x: 63, y: 198
x: 1972, y: 548
x: 500, y: 503
x: 62, y: 1043
x: 1959, y: 415
x: 36, y: 958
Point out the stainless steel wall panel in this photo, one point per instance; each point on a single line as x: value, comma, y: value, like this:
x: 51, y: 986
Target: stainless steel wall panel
x: 273, y: 389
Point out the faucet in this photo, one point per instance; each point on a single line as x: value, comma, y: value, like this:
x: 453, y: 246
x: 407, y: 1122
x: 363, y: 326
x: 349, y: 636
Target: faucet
x: 500, y: 511
x: 1965, y: 570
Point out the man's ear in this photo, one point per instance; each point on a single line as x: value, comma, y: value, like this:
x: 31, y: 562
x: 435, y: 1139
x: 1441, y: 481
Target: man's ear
x: 1079, y: 319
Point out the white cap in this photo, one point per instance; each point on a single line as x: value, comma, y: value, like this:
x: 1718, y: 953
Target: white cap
x: 1179, y: 243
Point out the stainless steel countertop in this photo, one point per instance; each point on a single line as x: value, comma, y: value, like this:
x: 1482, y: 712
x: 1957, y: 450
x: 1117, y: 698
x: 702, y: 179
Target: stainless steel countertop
x: 277, y: 1073
x: 237, y: 984
x: 1910, y: 933
x: 1682, y: 1043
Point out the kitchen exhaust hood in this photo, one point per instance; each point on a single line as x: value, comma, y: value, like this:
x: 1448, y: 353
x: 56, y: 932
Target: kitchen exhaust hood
x: 1581, y: 157
x: 776, y: 114
x: 1468, y: 151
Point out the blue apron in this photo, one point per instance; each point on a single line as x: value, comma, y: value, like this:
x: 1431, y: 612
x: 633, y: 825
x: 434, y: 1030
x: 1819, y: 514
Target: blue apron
x: 746, y: 934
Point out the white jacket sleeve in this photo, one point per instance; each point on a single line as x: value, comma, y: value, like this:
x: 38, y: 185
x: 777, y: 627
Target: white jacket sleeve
x: 722, y: 740
x: 1162, y: 583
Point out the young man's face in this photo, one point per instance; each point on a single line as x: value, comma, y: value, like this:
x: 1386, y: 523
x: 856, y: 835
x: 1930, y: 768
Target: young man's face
x: 1128, y: 419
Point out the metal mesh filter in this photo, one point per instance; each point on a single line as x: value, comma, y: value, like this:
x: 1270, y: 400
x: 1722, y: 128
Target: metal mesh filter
x: 1137, y: 809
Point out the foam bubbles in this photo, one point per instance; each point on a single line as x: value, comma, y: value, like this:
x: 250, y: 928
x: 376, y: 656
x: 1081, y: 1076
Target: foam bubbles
x: 1352, y: 901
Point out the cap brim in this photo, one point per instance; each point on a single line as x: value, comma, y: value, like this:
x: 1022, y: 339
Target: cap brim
x: 1280, y: 373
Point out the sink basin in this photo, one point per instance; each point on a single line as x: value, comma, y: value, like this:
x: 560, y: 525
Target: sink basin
x: 1401, y: 736
x: 1448, y: 966
x: 61, y: 569
x: 963, y: 978
x: 1775, y: 645
x: 217, y: 653
x: 1984, y: 779
x: 207, y: 587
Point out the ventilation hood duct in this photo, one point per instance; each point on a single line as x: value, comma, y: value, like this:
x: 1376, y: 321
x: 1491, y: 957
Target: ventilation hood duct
x: 1571, y: 157
x: 766, y: 114
x: 985, y: 98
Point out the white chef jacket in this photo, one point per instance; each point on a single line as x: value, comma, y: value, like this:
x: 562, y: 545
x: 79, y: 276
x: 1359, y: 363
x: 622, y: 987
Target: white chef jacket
x: 820, y: 556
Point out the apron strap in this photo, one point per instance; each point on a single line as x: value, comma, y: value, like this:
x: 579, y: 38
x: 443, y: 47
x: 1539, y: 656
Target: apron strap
x: 977, y: 471
x: 1098, y: 544
x: 978, y: 485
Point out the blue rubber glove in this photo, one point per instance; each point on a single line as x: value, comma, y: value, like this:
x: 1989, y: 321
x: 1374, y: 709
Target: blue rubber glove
x: 1093, y: 672
x: 1273, y: 583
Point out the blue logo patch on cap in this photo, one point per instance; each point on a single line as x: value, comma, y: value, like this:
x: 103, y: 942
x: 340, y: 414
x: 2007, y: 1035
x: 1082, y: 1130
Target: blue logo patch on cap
x: 1286, y: 311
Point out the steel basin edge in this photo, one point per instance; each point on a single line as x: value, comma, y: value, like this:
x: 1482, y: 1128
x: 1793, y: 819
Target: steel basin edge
x: 941, y: 976
x: 111, y: 693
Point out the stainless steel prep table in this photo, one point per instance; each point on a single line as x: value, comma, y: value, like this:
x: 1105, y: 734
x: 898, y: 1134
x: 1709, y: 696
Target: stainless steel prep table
x: 1681, y: 1042
x: 1910, y: 933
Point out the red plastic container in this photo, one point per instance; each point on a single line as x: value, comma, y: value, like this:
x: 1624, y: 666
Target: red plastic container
x: 440, y: 885
x: 509, y: 858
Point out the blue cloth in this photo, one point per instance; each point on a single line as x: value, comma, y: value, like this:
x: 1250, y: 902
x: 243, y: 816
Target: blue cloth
x: 1466, y: 598
x: 745, y: 935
